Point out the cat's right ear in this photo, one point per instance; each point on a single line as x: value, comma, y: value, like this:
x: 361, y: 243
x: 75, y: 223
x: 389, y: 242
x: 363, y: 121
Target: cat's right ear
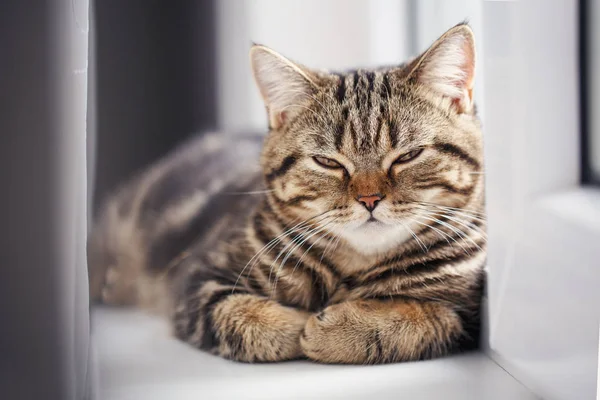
x: 284, y: 85
x: 448, y: 67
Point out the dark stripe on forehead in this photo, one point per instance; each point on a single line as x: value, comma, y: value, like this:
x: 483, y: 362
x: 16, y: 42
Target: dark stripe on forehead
x: 285, y: 166
x: 355, y: 78
x: 386, y: 89
x: 356, y: 81
x: 345, y: 114
x: 353, y: 135
x: 377, y: 130
x: 370, y: 82
x: 393, y: 133
x: 456, y: 151
x: 340, y: 130
x: 341, y: 91
x: 339, y: 135
x: 370, y: 79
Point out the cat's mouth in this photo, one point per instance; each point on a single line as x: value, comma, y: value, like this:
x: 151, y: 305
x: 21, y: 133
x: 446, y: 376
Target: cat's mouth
x: 373, y: 222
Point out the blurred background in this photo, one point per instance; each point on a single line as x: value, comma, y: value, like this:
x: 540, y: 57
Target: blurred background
x: 93, y: 91
x: 160, y: 74
x: 163, y: 73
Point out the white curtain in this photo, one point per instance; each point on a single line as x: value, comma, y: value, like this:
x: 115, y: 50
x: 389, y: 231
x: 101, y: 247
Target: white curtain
x: 74, y: 279
x: 73, y: 198
x: 44, y: 315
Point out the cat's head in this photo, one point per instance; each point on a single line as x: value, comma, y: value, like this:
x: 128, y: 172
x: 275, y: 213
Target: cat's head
x: 372, y: 154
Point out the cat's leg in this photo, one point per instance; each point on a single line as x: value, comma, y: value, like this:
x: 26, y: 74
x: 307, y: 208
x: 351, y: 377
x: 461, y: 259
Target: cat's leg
x: 375, y: 331
x: 235, y: 324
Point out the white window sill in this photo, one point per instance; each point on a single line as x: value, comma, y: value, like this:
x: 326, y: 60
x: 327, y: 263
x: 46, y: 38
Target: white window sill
x: 544, y: 293
x: 580, y: 206
x: 137, y: 359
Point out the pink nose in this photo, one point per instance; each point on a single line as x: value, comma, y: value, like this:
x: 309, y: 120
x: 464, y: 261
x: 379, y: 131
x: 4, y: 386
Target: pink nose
x: 370, y: 201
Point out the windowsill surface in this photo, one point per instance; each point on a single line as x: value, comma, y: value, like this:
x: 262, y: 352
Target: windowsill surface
x: 137, y: 359
x: 580, y: 206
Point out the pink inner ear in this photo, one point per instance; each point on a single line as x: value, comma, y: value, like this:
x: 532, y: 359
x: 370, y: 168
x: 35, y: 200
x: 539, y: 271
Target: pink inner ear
x: 466, y: 85
x: 277, y: 119
x: 281, y: 117
x: 468, y: 67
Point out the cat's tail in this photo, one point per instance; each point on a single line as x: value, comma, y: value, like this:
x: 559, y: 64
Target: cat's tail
x: 114, y: 257
x: 96, y: 267
x: 118, y: 268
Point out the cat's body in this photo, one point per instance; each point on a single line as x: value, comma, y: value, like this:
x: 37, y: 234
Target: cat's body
x: 359, y: 238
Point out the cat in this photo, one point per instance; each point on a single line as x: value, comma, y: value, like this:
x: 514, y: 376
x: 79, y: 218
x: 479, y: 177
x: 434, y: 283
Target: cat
x: 359, y: 238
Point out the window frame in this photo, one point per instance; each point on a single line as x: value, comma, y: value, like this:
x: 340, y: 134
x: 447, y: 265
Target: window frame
x: 544, y: 225
x: 588, y: 176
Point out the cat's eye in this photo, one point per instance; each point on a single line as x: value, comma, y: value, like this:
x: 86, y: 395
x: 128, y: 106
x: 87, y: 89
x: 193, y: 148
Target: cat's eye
x: 406, y: 157
x: 327, y: 162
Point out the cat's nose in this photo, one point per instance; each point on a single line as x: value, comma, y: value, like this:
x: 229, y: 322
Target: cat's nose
x: 370, y: 201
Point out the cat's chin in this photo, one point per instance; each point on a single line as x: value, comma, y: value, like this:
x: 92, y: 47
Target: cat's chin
x: 375, y: 237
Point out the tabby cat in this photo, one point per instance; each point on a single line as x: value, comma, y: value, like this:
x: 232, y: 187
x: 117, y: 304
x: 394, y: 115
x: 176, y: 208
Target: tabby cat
x: 360, y: 237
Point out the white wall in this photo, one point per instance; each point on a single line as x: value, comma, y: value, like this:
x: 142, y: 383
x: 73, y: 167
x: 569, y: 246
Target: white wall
x: 544, y: 228
x: 333, y: 34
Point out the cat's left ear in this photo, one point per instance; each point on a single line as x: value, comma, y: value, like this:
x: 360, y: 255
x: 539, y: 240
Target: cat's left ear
x: 448, y: 67
x: 285, y: 86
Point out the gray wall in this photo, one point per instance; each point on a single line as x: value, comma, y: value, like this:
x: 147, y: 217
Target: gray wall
x: 155, y: 81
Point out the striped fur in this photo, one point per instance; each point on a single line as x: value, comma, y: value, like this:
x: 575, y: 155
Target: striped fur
x: 277, y: 259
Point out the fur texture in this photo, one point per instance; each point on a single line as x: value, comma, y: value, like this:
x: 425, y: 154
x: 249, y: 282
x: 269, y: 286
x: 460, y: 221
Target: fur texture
x: 287, y: 259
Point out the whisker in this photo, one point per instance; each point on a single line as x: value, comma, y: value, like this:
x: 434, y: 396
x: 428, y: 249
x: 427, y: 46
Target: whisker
x: 265, y: 249
x: 307, y: 250
x: 289, y: 253
x: 459, y: 232
x: 453, y: 229
x: 449, y: 208
x: 425, y: 249
x: 469, y: 226
x: 299, y: 237
x: 251, y: 192
x: 335, y: 241
x: 273, y: 242
x: 455, y: 215
x: 466, y: 214
x: 442, y: 234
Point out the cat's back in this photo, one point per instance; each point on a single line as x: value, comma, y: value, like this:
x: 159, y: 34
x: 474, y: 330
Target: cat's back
x: 178, y: 201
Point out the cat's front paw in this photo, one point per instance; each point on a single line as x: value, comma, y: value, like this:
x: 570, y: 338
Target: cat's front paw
x: 332, y: 336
